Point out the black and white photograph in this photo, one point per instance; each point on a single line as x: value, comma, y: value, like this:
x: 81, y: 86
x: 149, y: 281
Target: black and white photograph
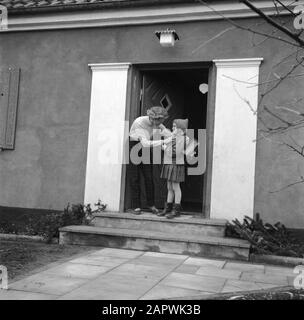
x: 151, y: 151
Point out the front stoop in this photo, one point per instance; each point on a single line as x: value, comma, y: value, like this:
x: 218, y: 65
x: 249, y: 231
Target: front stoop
x: 184, y: 235
x: 184, y: 225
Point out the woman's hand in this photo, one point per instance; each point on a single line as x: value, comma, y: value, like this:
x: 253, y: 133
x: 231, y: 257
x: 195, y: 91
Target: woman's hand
x: 167, y: 140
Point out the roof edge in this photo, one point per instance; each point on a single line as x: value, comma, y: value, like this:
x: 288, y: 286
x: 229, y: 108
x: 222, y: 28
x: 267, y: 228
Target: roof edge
x: 94, y: 6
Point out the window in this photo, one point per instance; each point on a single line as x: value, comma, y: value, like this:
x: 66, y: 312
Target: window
x: 9, y: 88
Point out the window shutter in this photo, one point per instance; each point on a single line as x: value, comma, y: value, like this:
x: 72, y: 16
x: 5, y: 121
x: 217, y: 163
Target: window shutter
x: 9, y: 88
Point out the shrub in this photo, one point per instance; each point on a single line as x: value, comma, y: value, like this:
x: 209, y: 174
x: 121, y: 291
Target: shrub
x: 266, y: 238
x: 47, y: 225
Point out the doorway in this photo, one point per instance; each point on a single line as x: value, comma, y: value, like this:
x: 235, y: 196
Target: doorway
x: 176, y: 88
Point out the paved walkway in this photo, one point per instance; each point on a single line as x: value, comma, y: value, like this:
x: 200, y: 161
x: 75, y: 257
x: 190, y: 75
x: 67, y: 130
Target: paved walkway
x: 127, y: 274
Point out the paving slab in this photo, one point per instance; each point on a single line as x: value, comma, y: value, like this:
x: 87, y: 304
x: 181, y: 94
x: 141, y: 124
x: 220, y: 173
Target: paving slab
x: 238, y: 285
x: 156, y: 261
x: 119, y: 253
x: 23, y: 295
x: 217, y: 272
x: 279, y: 271
x: 265, y: 278
x: 112, y: 287
x: 194, y: 282
x: 138, y: 270
x: 205, y: 262
x: 48, y: 284
x: 167, y: 292
x: 116, y: 274
x: 77, y: 270
x: 265, y: 286
x: 165, y: 255
x: 187, y: 268
x: 245, y: 267
x: 100, y: 261
x: 291, y: 280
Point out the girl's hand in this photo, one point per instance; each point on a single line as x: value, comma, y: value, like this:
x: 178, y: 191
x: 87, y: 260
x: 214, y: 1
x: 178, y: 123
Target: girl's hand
x: 166, y: 132
x: 168, y: 140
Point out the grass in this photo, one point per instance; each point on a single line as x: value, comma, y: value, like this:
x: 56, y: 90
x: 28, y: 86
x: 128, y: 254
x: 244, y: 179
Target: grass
x: 22, y: 257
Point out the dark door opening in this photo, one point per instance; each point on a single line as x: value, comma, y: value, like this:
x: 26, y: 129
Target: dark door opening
x: 178, y: 91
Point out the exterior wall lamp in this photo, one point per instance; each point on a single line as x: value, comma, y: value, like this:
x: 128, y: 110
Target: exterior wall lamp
x: 167, y: 37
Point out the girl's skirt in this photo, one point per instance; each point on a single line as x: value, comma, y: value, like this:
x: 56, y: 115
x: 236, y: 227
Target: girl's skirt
x: 173, y: 172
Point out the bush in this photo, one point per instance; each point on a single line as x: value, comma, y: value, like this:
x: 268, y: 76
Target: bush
x: 48, y: 225
x: 266, y: 238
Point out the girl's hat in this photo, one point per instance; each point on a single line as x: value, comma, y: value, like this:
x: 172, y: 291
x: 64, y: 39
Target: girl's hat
x: 181, y: 123
x: 157, y: 112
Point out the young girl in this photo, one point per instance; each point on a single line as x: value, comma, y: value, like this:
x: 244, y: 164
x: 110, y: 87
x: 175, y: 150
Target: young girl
x: 173, y: 169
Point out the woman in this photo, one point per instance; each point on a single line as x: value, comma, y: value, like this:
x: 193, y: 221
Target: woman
x: 142, y: 131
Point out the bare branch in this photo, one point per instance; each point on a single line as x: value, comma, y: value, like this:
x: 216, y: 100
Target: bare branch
x: 277, y: 117
x: 213, y: 38
x: 272, y: 22
x: 288, y: 56
x: 290, y: 110
x: 295, y: 149
x: 282, y: 78
x: 247, y: 28
x: 285, y: 7
x: 245, y: 100
x: 254, y: 84
x: 301, y: 153
x: 241, y: 81
x: 284, y: 129
x: 288, y: 186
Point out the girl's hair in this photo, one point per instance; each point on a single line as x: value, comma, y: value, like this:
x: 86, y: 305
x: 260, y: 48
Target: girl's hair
x: 181, y: 124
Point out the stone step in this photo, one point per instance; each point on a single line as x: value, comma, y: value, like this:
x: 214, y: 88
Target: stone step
x: 202, y: 246
x: 182, y: 226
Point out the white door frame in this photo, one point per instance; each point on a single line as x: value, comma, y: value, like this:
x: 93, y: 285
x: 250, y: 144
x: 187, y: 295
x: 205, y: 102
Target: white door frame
x: 106, y: 134
x: 234, y: 141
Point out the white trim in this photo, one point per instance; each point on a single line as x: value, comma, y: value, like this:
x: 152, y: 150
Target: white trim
x: 237, y: 62
x: 234, y: 146
x: 106, y: 134
x: 110, y: 66
x: 134, y: 16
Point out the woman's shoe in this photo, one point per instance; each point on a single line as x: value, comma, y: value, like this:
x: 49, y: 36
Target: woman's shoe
x: 154, y: 210
x: 136, y: 211
x: 175, y: 211
x: 168, y: 208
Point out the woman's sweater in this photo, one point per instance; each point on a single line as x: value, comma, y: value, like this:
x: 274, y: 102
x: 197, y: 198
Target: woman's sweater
x: 143, y: 131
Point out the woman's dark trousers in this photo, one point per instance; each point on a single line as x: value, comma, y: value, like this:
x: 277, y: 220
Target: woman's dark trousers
x: 146, y: 169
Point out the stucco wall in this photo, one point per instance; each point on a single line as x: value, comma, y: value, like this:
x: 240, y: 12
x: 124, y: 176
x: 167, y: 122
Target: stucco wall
x: 47, y: 167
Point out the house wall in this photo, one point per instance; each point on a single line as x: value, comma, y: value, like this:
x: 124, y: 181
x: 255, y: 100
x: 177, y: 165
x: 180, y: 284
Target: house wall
x: 47, y: 167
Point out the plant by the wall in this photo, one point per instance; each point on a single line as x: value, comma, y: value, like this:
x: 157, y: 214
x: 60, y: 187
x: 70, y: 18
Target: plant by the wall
x: 266, y: 238
x: 47, y: 225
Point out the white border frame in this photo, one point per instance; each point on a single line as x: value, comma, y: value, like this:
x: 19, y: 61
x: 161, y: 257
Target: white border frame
x: 234, y: 142
x: 106, y: 134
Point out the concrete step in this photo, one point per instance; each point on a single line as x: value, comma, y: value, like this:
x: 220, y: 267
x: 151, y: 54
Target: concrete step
x: 201, y: 246
x: 183, y: 226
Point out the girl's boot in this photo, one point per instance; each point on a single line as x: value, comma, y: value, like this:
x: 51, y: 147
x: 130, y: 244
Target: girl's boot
x: 167, y: 208
x: 175, y: 212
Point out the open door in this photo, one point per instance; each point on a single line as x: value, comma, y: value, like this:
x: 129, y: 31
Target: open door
x: 177, y: 90
x: 161, y: 90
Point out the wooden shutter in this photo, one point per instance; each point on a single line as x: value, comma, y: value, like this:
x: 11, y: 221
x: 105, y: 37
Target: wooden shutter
x: 9, y: 88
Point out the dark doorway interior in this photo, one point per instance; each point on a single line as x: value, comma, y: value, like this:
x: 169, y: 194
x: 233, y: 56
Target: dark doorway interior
x: 178, y: 91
